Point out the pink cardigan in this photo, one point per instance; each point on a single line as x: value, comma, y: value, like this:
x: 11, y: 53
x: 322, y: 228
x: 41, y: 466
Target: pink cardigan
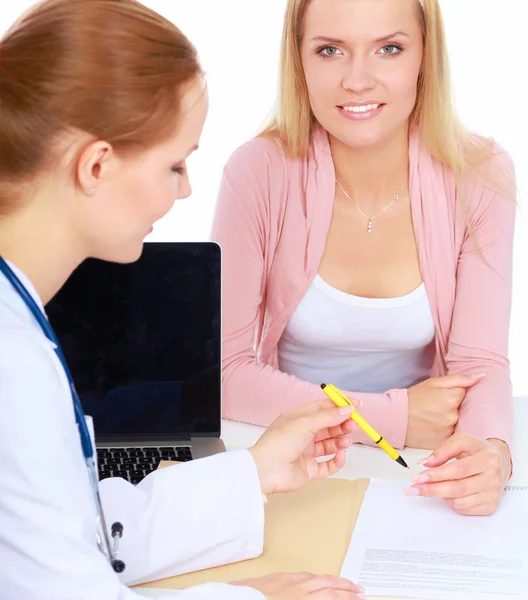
x: 272, y: 219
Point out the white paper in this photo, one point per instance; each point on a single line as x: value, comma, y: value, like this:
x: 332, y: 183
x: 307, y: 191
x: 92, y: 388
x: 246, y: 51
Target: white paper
x: 153, y: 592
x: 420, y: 548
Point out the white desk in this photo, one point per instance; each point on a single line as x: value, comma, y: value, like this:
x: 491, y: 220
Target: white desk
x: 365, y: 461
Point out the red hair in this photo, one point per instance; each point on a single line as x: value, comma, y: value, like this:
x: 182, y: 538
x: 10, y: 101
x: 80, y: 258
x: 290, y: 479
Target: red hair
x: 112, y: 68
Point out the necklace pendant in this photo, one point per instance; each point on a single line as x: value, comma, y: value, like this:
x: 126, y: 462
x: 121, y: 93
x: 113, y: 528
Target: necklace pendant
x: 369, y: 226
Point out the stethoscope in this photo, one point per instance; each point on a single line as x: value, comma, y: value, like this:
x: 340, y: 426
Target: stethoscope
x: 103, y: 541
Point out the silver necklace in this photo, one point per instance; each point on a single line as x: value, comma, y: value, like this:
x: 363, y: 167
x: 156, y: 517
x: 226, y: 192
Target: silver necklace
x: 370, y: 219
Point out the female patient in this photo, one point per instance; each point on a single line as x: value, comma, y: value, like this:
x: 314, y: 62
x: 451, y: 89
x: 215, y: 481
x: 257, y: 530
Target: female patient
x: 367, y: 242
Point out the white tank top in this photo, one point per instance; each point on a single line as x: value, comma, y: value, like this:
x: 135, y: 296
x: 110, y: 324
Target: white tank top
x: 361, y: 344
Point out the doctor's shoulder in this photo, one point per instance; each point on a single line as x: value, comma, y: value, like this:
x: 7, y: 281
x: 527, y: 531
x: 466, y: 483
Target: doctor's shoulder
x: 27, y: 360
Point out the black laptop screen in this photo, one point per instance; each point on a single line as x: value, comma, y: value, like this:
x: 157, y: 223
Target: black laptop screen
x: 143, y: 340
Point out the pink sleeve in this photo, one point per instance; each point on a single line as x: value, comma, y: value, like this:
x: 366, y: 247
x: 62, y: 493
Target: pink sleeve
x: 481, y: 319
x: 252, y: 391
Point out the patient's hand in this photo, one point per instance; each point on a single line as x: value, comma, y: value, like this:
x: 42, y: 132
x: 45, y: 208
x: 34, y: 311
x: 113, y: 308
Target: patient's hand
x: 298, y: 586
x: 433, y: 409
x: 473, y: 484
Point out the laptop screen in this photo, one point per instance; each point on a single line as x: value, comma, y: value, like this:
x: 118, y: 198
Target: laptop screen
x: 142, y: 341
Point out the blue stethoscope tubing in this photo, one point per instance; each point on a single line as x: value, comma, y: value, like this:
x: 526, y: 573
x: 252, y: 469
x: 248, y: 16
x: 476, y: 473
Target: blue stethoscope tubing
x: 84, y: 434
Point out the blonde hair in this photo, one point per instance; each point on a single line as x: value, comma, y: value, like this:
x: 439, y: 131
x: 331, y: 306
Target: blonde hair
x: 292, y: 121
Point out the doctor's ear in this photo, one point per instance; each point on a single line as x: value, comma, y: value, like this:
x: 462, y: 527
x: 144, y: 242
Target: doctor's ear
x: 93, y: 165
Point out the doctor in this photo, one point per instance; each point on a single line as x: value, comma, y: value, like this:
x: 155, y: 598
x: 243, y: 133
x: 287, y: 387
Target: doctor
x: 101, y: 102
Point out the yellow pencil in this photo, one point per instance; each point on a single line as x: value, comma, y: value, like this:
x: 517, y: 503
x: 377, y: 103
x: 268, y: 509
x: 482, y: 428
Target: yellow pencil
x: 340, y: 400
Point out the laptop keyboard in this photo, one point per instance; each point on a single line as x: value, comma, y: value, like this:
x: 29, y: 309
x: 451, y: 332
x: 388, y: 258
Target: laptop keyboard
x: 133, y: 464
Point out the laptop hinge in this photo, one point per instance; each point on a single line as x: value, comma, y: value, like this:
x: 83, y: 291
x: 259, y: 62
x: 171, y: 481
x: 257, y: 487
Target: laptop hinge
x: 160, y: 439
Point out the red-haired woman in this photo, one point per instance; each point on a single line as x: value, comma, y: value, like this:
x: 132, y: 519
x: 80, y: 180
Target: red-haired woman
x: 101, y: 102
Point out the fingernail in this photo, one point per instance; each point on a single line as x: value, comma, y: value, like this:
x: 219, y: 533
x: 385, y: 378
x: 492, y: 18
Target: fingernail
x: 478, y: 376
x: 426, y: 461
x: 346, y: 411
x: 361, y: 596
x: 421, y: 478
x: 360, y: 589
x: 412, y: 491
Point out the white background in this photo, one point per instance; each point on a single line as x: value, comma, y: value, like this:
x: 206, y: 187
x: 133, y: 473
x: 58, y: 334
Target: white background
x: 238, y: 41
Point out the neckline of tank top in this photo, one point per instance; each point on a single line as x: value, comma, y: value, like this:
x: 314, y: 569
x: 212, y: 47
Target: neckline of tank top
x: 415, y: 296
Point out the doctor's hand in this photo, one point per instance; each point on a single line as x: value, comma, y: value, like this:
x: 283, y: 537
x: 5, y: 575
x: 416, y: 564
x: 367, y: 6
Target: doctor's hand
x: 474, y: 483
x: 286, y: 453
x: 433, y: 409
x: 298, y: 586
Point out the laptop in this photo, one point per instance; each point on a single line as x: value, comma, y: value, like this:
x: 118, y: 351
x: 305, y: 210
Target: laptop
x: 143, y: 343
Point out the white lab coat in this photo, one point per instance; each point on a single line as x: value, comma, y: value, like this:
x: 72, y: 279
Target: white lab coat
x: 180, y: 519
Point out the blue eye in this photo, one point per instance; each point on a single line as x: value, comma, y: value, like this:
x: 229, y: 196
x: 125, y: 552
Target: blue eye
x: 328, y: 51
x: 391, y: 48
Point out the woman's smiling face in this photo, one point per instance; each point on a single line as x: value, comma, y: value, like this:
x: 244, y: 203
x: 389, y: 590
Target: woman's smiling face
x: 361, y: 61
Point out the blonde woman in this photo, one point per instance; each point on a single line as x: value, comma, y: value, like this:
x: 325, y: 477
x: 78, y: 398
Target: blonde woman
x: 367, y: 242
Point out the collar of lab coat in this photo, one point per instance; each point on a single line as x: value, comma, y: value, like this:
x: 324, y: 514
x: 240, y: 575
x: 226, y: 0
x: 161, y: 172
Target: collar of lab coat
x: 14, y: 302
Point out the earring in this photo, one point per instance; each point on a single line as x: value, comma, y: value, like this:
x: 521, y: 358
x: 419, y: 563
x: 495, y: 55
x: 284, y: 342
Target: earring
x: 91, y: 191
